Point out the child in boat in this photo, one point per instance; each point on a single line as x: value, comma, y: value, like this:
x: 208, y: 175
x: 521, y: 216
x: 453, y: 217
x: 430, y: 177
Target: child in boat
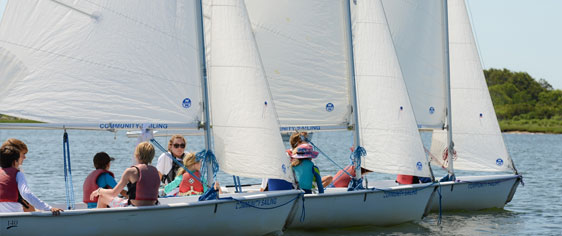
x: 185, y: 184
x: 342, y: 179
x: 167, y: 169
x: 13, y: 185
x: 101, y: 177
x: 142, y: 182
x: 304, y: 168
x: 299, y: 138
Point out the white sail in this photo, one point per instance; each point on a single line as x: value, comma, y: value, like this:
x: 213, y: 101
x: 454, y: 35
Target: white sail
x: 477, y: 136
x: 245, y: 127
x: 416, y: 28
x: 121, y: 62
x: 304, y: 49
x: 386, y: 121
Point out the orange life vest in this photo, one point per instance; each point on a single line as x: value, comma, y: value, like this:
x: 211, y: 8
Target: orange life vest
x: 90, y: 184
x: 9, y: 187
x: 342, y: 179
x: 190, y: 185
x: 405, y: 179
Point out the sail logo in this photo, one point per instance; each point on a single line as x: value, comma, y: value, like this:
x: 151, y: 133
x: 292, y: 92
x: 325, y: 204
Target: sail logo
x: 186, y: 103
x: 284, y: 168
x: 431, y: 110
x: 329, y: 107
x: 499, y: 162
x: 419, y: 165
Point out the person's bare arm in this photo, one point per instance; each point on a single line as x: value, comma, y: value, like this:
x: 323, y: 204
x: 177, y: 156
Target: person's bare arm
x: 125, y: 178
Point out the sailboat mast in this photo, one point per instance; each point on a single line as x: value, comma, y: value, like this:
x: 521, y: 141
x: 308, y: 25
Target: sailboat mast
x: 447, y: 76
x: 207, y: 131
x: 353, y: 89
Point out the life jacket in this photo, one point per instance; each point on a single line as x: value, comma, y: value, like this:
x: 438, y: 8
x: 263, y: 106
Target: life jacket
x: 342, y: 179
x: 190, y: 185
x: 146, y: 188
x: 9, y: 187
x: 171, y: 175
x: 90, y: 184
x: 406, y: 179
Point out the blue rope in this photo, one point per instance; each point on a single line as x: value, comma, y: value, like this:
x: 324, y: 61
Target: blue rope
x: 303, y: 212
x: 67, y: 172
x: 324, y: 154
x: 174, y: 159
x: 208, y: 157
x: 239, y: 184
x: 356, y: 184
x: 439, y: 191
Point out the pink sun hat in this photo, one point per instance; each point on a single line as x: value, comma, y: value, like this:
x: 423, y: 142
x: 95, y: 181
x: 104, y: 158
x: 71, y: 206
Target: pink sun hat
x: 305, y: 150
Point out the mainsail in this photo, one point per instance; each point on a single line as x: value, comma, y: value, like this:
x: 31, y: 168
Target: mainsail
x: 386, y: 121
x: 245, y: 126
x: 112, y: 62
x: 304, y: 49
x: 477, y: 137
x: 416, y: 28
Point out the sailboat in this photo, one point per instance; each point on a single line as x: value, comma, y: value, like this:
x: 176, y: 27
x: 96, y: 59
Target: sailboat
x: 105, y: 65
x: 309, y: 51
x: 443, y: 73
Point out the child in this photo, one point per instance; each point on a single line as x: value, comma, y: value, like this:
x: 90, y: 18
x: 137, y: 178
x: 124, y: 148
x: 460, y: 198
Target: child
x: 101, y: 177
x: 185, y: 184
x: 342, y: 179
x: 304, y: 168
x: 142, y: 183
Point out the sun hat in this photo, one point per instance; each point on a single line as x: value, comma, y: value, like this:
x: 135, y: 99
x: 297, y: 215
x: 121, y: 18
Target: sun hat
x: 304, y: 150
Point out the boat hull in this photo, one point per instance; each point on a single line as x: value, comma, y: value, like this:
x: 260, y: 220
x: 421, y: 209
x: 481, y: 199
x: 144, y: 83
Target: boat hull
x: 476, y: 192
x: 340, y: 208
x: 177, y: 216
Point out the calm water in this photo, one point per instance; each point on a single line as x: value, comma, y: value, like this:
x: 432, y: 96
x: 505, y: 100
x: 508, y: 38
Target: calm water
x: 536, y: 208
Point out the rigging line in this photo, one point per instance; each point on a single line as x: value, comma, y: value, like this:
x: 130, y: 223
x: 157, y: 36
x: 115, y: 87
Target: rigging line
x: 76, y: 9
x: 153, y: 28
x: 473, y: 27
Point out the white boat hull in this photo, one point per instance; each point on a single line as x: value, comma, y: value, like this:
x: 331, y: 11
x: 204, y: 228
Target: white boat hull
x: 340, y: 208
x: 476, y: 192
x: 175, y: 216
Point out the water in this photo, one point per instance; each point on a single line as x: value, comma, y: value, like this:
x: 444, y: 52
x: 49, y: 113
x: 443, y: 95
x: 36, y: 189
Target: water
x: 536, y: 208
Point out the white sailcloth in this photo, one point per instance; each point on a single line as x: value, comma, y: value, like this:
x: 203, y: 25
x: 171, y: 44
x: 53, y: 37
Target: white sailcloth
x: 386, y: 121
x: 477, y: 136
x: 245, y: 127
x: 304, y: 50
x: 416, y: 28
x: 126, y: 61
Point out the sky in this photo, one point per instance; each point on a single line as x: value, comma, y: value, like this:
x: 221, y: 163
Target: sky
x: 520, y: 35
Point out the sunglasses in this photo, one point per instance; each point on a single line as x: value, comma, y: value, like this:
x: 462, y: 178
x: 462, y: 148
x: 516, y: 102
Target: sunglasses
x: 178, y: 145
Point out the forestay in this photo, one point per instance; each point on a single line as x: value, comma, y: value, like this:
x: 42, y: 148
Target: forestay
x: 120, y: 62
x: 416, y: 28
x: 305, y: 53
x: 387, y: 125
x: 477, y: 137
x: 245, y: 126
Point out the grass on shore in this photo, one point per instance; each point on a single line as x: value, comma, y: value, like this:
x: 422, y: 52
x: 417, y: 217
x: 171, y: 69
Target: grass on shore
x: 533, y: 125
x: 10, y: 119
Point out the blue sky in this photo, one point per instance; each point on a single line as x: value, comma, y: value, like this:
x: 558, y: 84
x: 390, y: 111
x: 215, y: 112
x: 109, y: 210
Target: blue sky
x: 520, y: 35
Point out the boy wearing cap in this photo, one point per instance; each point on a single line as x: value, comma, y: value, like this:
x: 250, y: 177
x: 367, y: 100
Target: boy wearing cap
x: 101, y: 177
